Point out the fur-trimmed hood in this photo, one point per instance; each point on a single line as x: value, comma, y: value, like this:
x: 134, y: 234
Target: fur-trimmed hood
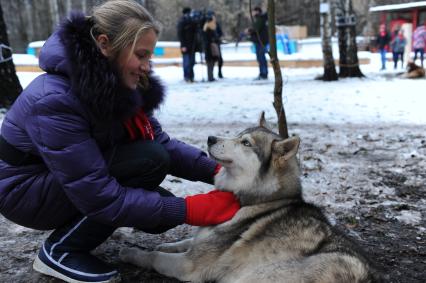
x: 71, y: 52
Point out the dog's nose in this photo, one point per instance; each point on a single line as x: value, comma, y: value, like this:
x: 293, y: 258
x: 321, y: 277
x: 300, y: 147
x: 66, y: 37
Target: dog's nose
x: 211, y: 140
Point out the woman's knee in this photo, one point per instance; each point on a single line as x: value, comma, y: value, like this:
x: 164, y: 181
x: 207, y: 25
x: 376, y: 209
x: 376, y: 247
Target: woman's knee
x: 155, y: 154
x: 139, y: 163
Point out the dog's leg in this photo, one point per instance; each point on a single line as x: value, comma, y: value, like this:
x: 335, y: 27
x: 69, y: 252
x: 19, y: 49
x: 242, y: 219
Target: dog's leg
x: 177, y: 247
x: 176, y: 265
x: 136, y: 256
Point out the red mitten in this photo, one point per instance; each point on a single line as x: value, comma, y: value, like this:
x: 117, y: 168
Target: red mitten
x: 212, y: 208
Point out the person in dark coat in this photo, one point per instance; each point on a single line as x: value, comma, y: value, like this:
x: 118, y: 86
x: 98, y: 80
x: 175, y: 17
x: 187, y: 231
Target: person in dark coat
x: 382, y: 40
x: 211, y: 46
x: 187, y: 30
x: 260, y: 37
x: 219, y: 35
x: 82, y: 153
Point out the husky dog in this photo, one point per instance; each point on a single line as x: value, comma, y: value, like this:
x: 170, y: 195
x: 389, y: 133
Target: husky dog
x: 274, y: 237
x: 414, y: 71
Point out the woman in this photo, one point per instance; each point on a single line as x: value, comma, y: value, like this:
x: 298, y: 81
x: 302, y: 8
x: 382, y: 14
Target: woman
x: 211, y: 46
x: 81, y: 153
x: 383, y: 39
x: 419, y: 42
x: 398, y: 47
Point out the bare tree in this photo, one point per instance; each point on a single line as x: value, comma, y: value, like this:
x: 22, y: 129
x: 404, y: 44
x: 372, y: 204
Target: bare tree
x: 10, y: 87
x: 330, y: 73
x: 278, y: 87
x: 84, y: 6
x: 348, y: 50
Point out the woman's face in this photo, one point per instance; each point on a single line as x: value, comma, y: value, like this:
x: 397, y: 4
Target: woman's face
x: 135, y: 64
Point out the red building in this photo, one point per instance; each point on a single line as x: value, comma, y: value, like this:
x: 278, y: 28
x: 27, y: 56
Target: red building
x: 397, y: 14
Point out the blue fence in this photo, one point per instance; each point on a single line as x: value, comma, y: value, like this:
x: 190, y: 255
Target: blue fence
x: 284, y: 45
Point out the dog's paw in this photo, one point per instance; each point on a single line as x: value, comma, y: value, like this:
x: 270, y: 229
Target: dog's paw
x: 167, y: 248
x: 136, y: 256
x: 126, y: 254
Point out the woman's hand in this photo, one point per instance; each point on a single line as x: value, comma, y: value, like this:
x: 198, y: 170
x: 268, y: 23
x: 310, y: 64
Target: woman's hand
x: 212, y: 208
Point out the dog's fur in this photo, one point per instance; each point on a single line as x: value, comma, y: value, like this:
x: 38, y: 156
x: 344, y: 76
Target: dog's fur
x: 414, y: 71
x: 274, y: 237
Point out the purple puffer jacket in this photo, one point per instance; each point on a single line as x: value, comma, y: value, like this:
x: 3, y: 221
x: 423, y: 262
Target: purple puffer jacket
x: 71, y: 116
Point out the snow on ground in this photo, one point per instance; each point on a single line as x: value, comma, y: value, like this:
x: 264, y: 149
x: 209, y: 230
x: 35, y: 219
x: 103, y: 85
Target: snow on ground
x: 370, y: 100
x: 378, y: 98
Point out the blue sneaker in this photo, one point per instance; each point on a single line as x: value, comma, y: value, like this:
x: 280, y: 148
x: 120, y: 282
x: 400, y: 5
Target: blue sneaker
x: 74, y: 267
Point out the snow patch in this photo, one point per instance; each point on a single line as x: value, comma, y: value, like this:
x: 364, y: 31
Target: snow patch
x: 410, y: 217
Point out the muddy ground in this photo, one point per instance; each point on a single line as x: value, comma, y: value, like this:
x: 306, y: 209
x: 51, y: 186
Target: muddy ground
x: 370, y: 180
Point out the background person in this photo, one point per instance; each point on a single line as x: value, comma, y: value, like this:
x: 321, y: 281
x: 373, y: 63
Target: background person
x: 81, y: 152
x: 219, y: 34
x: 419, y: 42
x: 259, y: 36
x: 398, y: 47
x: 211, y: 46
x: 187, y: 30
x: 383, y: 39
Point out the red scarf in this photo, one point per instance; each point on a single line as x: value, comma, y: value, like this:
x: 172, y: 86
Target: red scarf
x: 139, y: 127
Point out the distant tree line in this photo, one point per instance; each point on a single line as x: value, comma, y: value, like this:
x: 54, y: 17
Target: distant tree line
x: 29, y: 20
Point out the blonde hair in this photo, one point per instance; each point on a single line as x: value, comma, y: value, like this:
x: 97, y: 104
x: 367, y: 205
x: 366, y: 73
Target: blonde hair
x: 210, y: 24
x: 123, y: 21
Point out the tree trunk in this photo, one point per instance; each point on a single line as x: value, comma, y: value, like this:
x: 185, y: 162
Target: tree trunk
x: 84, y: 6
x: 54, y: 13
x: 278, y: 87
x: 348, y: 51
x: 353, y: 69
x: 342, y: 41
x: 239, y: 20
x: 330, y: 73
x: 68, y: 8
x: 10, y: 87
x: 27, y: 18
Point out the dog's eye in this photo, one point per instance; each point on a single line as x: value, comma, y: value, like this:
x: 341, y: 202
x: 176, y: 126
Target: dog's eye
x: 245, y: 143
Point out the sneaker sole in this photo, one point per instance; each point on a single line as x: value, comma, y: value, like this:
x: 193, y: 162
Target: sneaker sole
x: 41, y: 267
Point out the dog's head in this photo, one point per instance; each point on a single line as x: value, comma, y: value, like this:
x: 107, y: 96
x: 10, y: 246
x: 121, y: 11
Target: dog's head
x: 411, y: 66
x: 257, y: 165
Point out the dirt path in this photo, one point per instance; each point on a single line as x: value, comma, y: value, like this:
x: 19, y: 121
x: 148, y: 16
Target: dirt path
x: 370, y: 180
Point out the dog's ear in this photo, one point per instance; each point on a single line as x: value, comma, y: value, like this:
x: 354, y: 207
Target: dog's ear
x: 286, y: 148
x: 262, y: 121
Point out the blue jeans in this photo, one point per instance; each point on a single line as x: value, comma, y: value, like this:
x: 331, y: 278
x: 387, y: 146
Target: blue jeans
x: 261, y: 59
x: 396, y: 56
x: 188, y: 66
x: 383, y: 57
